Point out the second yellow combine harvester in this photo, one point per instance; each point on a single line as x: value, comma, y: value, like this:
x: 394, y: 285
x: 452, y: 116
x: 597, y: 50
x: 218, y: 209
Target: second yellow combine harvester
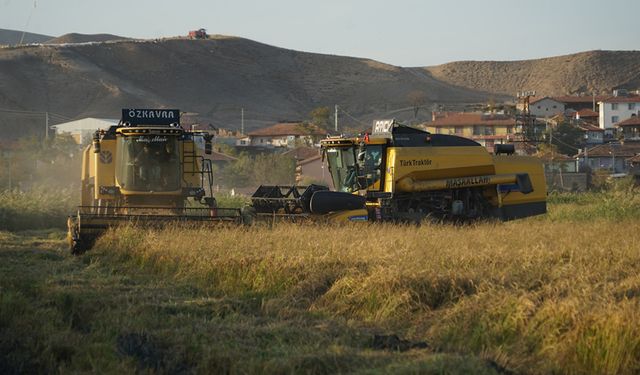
x: 404, y: 174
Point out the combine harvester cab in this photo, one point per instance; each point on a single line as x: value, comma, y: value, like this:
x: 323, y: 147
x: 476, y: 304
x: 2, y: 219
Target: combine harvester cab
x: 405, y: 174
x: 146, y: 170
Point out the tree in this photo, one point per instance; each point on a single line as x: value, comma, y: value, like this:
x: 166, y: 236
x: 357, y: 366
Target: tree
x: 321, y: 117
x: 264, y: 169
x: 417, y: 99
x: 566, y: 137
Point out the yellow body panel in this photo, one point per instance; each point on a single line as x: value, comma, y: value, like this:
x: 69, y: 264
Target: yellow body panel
x: 522, y: 164
x: 431, y: 163
x: 190, y: 176
x: 351, y: 215
x: 104, y: 164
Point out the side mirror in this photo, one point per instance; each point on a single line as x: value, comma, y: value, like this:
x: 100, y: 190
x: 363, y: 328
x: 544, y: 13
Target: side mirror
x: 207, y: 144
x: 96, y: 143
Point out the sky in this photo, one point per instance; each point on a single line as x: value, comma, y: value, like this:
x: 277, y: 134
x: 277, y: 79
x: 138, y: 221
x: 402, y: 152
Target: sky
x: 399, y: 32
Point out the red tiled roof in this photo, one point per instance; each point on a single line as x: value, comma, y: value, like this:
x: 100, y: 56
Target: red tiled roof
x: 622, y: 99
x: 578, y: 99
x: 631, y: 121
x: 302, y: 153
x: 543, y: 98
x: 553, y: 157
x: 585, y: 112
x: 626, y: 150
x: 470, y: 118
x: 589, y: 127
x: 288, y: 128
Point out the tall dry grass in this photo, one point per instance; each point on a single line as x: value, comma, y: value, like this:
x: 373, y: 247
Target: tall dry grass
x: 38, y: 208
x: 534, y: 295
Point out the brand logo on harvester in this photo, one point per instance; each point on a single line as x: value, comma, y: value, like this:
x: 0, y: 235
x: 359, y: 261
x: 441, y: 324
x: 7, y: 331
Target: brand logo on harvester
x: 106, y: 157
x: 415, y: 162
x: 467, y: 181
x: 140, y: 116
x: 145, y: 113
x: 151, y: 140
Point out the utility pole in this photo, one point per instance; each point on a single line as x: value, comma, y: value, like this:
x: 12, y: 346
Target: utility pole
x: 613, y: 159
x: 46, y: 126
x: 336, y: 118
x: 242, y: 122
x: 586, y: 152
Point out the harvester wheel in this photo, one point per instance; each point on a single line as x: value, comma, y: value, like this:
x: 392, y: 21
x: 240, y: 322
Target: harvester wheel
x: 76, y: 243
x: 77, y: 247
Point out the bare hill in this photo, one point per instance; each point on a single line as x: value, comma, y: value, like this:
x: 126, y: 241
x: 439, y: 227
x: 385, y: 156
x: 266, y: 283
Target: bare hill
x: 84, y: 38
x: 12, y: 37
x: 214, y: 78
x: 582, y: 72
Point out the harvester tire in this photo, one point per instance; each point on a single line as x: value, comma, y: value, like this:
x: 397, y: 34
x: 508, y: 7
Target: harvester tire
x: 77, y: 247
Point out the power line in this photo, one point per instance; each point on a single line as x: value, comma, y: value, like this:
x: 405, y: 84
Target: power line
x: 35, y: 5
x: 566, y: 144
x: 35, y: 113
x: 349, y: 115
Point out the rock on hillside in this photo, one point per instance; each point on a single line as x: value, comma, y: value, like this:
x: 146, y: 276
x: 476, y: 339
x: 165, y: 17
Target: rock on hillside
x: 581, y: 72
x: 214, y: 78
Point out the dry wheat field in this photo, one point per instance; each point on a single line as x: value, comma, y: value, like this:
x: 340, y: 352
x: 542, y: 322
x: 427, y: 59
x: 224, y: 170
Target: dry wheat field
x: 558, y: 293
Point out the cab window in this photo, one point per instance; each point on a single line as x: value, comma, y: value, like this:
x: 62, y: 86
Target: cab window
x: 373, y: 156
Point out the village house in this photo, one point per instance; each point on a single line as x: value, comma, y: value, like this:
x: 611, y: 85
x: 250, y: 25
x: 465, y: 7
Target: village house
x: 486, y: 129
x: 615, y: 157
x: 310, y: 167
x: 586, y: 115
x: 285, y: 134
x: 580, y: 102
x: 617, y: 108
x: 593, y: 135
x: 218, y: 158
x: 549, y: 106
x: 82, y: 130
x: 629, y: 129
x: 546, y: 107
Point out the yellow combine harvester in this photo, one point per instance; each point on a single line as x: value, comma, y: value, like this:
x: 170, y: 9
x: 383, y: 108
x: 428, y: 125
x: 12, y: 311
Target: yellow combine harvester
x: 146, y: 170
x: 400, y: 173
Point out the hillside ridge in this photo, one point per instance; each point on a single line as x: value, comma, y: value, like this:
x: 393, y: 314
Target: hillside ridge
x: 597, y: 71
x: 215, y: 79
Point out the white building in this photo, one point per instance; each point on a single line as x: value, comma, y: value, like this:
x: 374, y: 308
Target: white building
x: 617, y: 108
x: 285, y: 135
x: 546, y: 107
x: 82, y: 130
